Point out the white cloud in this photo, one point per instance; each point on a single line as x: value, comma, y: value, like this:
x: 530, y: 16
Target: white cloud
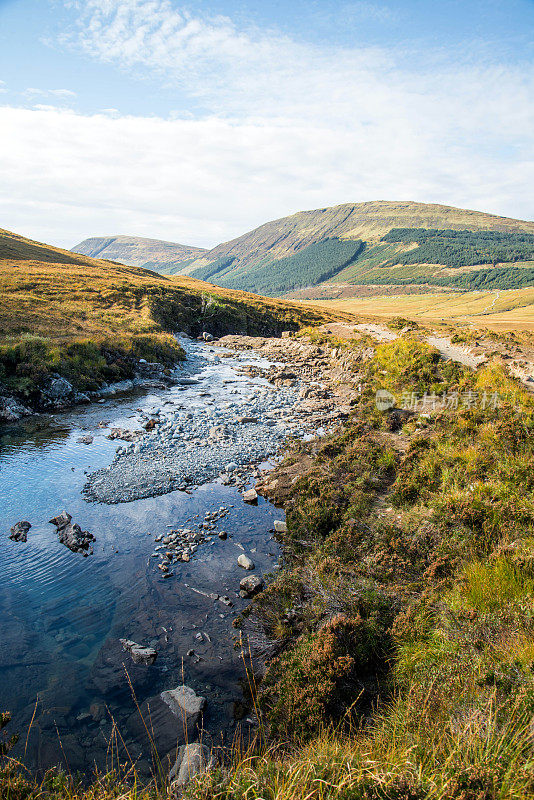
x: 290, y: 126
x: 61, y: 94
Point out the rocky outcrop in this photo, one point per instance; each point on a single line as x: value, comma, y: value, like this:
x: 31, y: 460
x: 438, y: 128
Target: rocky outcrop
x: 11, y: 410
x: 71, y: 535
x: 250, y: 586
x: 57, y: 392
x: 108, y: 673
x: 19, y: 532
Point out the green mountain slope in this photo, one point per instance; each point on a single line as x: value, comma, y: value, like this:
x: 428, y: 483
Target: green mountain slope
x: 135, y: 251
x: 393, y: 242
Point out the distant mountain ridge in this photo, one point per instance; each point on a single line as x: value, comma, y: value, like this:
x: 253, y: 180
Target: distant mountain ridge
x: 311, y: 248
x: 136, y: 251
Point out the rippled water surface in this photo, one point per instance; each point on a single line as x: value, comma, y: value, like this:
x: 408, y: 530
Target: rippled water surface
x: 62, y: 614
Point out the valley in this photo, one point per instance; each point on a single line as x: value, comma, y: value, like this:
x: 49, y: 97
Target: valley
x: 308, y: 523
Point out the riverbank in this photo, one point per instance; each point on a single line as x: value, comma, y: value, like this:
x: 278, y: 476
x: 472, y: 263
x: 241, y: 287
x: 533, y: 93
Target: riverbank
x: 392, y: 653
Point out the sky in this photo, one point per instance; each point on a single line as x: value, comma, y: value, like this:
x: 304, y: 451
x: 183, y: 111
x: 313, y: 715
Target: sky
x: 195, y: 122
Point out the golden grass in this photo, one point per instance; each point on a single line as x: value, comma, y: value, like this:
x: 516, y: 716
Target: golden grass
x: 512, y: 309
x: 53, y: 293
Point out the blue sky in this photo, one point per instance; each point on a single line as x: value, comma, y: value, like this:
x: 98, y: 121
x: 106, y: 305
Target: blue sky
x: 195, y: 122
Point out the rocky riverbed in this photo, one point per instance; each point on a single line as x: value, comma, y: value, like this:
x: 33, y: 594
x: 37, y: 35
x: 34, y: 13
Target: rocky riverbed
x: 170, y: 570
x: 301, y: 393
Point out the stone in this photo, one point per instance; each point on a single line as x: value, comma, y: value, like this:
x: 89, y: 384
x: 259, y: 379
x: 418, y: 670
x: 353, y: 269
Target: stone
x: 109, y: 672
x: 245, y: 562
x: 71, y: 535
x: 172, y: 717
x: 184, y: 702
x: 222, y: 535
x: 231, y: 467
x: 11, y: 410
x: 250, y: 496
x: 191, y: 760
x: 85, y: 440
x: 207, y: 336
x: 250, y: 585
x: 140, y: 654
x: 19, y: 532
x: 246, y: 420
x: 280, y: 526
x: 57, y: 392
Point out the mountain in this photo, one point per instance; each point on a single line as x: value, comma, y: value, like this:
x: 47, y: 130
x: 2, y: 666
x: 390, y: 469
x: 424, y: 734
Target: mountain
x: 165, y: 257
x: 375, y: 243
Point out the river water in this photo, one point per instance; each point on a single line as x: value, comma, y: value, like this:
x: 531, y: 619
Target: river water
x: 62, y: 614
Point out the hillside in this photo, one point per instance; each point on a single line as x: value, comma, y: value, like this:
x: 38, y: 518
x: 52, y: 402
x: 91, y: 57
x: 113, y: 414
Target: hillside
x: 91, y: 320
x: 373, y: 244
x: 135, y: 251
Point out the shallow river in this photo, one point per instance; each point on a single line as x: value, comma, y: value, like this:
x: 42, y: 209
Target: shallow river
x: 62, y: 614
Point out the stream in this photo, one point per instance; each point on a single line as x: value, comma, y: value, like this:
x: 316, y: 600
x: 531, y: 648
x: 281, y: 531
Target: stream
x: 63, y: 614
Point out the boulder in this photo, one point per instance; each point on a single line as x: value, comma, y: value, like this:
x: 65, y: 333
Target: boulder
x: 280, y: 526
x: 140, y: 654
x: 250, y: 586
x: 184, y: 702
x: 172, y: 717
x: 108, y: 673
x: 245, y: 562
x: 57, y: 392
x: 190, y: 761
x: 11, y: 410
x: 250, y: 496
x: 71, y: 535
x: 19, y: 532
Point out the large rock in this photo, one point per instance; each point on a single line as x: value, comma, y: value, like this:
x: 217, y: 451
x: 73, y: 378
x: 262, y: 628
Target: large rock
x: 57, y: 392
x: 173, y: 718
x: 183, y: 701
x: 71, y: 535
x: 250, y: 496
x: 19, y: 532
x: 245, y: 562
x: 190, y: 761
x: 139, y: 653
x: 11, y: 410
x: 250, y: 586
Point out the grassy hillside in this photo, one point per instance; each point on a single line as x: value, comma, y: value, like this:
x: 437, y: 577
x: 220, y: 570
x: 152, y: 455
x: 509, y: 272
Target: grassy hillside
x: 136, y: 251
x: 395, y: 237
x: 91, y: 320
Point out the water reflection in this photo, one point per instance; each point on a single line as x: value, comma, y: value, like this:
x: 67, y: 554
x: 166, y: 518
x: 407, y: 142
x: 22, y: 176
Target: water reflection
x: 62, y: 614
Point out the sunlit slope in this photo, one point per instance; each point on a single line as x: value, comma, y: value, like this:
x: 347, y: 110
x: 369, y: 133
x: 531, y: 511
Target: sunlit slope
x: 54, y: 293
x: 345, y: 243
x: 496, y: 310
